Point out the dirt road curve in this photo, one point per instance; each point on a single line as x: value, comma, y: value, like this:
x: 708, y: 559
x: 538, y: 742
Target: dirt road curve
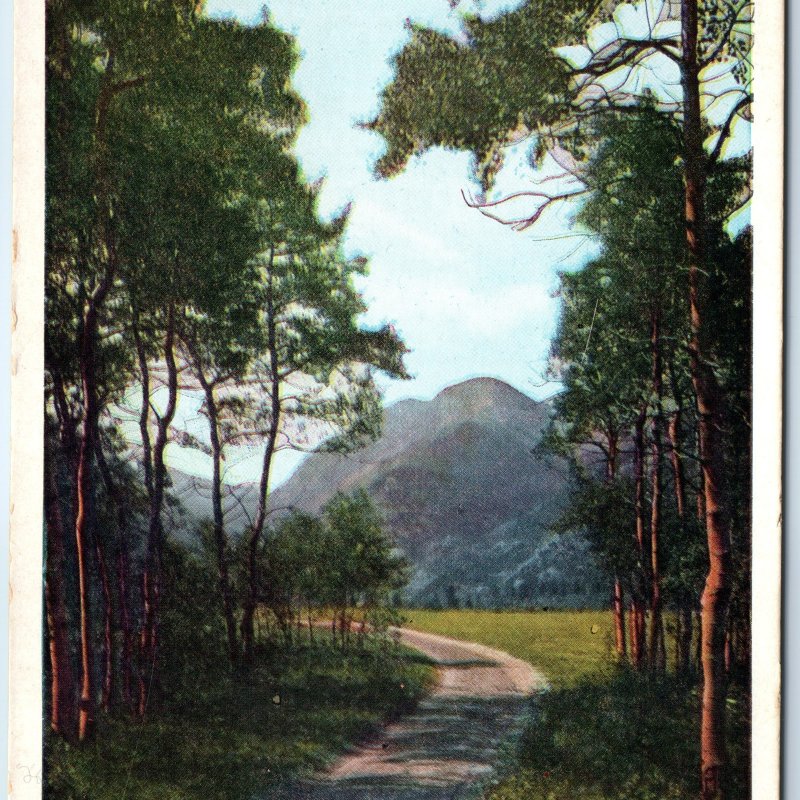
x: 449, y: 746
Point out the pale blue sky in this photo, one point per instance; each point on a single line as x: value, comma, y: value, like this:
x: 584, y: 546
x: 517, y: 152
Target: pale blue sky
x: 469, y: 296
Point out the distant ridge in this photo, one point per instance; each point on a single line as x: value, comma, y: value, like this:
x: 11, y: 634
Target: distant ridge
x: 466, y: 495
x: 468, y: 498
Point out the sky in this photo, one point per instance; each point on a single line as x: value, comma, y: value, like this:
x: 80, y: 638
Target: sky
x: 470, y: 297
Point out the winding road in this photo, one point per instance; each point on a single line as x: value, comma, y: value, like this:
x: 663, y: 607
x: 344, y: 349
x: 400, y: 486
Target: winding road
x: 450, y: 745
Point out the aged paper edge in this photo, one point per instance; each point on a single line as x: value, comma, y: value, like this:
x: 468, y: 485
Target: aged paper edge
x: 27, y: 358
x: 768, y: 233
x: 26, y: 522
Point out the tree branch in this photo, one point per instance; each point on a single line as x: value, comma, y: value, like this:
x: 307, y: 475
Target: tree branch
x: 725, y: 131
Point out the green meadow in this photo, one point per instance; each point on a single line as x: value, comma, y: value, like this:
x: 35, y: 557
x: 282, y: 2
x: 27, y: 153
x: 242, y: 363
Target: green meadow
x: 567, y: 646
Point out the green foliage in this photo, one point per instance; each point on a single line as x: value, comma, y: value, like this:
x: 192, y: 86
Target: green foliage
x: 211, y: 734
x: 342, y: 563
x: 630, y: 737
x: 480, y: 92
x: 605, y: 512
x: 234, y: 738
x: 365, y: 567
x: 514, y: 75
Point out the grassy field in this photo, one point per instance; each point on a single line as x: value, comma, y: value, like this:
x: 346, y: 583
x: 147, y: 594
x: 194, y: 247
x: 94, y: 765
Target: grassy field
x: 602, y: 732
x: 567, y: 646
x: 226, y: 739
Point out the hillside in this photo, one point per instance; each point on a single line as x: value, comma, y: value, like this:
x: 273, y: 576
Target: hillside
x: 465, y: 494
x: 467, y: 497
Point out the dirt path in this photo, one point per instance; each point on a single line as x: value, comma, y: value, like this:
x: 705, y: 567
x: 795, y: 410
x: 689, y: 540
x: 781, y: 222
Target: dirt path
x: 450, y: 744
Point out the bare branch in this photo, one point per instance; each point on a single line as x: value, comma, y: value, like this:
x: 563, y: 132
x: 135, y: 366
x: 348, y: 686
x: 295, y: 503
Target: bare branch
x: 725, y: 131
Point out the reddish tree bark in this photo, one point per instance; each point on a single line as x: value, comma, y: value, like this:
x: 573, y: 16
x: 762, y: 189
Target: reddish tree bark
x: 683, y: 636
x: 632, y: 635
x: 84, y: 490
x: 125, y: 623
x: 656, y: 650
x: 639, y: 591
x: 618, y: 604
x: 716, y: 594
x: 62, y: 682
x: 107, y: 680
x: 678, y: 475
x: 619, y: 621
x: 122, y: 574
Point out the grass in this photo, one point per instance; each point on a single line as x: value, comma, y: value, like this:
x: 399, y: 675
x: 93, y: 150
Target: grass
x: 631, y: 737
x: 567, y: 646
x: 231, y: 738
x: 602, y: 732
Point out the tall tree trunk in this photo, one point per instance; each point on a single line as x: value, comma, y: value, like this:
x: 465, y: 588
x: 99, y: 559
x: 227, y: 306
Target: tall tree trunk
x: 122, y: 573
x: 220, y: 537
x: 62, y: 685
x: 88, y: 380
x: 125, y: 623
x: 698, y: 651
x: 716, y: 594
x: 83, y: 485
x: 619, y: 620
x: 107, y: 682
x: 251, y: 597
x: 632, y: 632
x: 144, y: 670
x: 656, y: 651
x: 639, y: 590
x: 637, y: 632
x: 144, y: 413
x: 683, y: 637
x: 151, y: 576
x: 678, y: 474
x: 618, y: 604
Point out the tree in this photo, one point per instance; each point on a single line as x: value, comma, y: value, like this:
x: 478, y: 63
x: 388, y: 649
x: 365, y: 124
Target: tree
x: 365, y: 567
x: 143, y: 177
x: 421, y: 109
x: 316, y: 370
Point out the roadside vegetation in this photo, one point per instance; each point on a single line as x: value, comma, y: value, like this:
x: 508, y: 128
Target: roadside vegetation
x: 218, y: 734
x: 602, y: 731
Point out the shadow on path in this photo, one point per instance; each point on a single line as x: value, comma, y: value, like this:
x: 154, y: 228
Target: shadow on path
x: 450, y: 745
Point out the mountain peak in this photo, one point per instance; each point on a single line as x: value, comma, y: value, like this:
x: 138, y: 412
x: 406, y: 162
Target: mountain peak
x: 465, y: 495
x: 491, y: 389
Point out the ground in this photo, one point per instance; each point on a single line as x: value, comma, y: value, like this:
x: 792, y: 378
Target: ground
x: 449, y: 747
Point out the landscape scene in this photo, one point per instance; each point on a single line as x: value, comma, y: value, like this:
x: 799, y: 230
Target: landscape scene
x: 397, y: 400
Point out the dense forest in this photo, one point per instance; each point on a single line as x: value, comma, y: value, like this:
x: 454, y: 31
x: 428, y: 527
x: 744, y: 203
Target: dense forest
x: 185, y: 253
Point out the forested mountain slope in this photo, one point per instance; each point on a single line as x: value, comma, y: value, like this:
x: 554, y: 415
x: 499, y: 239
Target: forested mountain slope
x: 465, y: 494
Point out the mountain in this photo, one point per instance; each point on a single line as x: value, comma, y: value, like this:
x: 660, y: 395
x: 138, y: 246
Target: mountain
x: 465, y: 494
x: 467, y: 497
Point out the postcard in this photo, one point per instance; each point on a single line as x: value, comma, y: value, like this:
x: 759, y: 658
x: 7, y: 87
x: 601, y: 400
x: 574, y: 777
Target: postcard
x: 397, y: 400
